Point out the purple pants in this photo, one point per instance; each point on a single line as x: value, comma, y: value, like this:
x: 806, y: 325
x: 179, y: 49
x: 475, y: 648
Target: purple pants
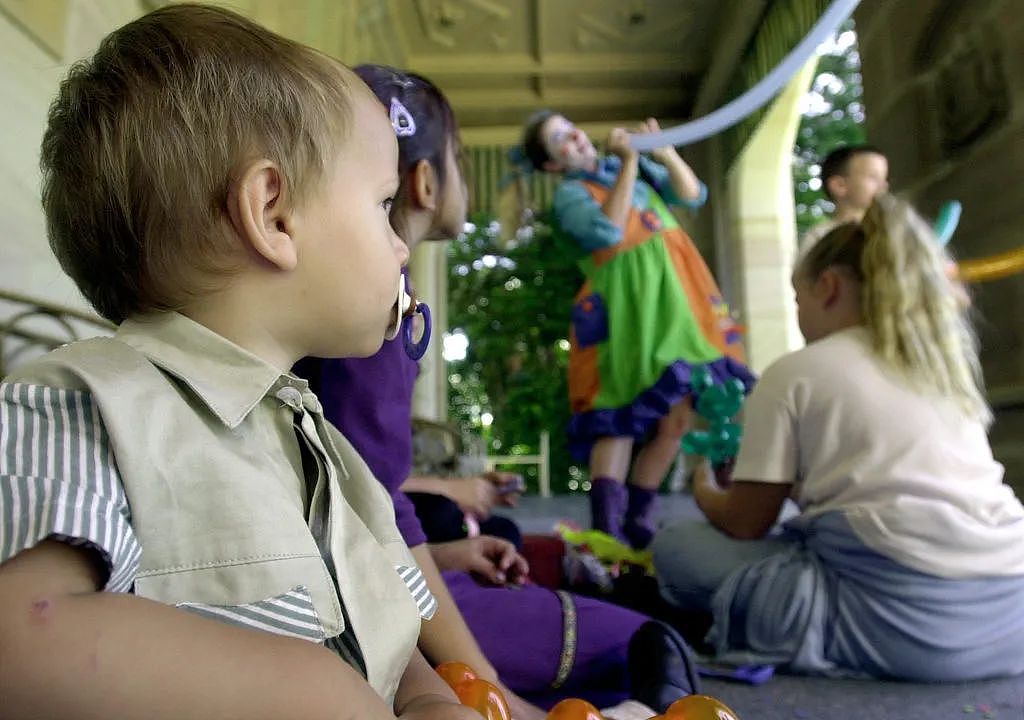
x: 521, y: 632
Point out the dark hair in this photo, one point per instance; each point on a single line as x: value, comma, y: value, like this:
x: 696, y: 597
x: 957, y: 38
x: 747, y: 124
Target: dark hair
x: 843, y: 246
x: 533, y: 143
x: 144, y: 139
x: 837, y: 162
x: 436, y: 127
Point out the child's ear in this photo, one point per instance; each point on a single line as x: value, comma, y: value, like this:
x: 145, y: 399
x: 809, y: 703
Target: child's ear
x: 828, y: 286
x: 425, y: 186
x: 552, y: 167
x: 260, y: 214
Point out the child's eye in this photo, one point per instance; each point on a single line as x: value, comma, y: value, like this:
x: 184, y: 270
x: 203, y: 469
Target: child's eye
x: 386, y: 204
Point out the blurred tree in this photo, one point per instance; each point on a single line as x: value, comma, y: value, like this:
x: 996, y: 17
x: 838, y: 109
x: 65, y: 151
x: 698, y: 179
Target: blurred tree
x: 512, y: 303
x: 833, y: 116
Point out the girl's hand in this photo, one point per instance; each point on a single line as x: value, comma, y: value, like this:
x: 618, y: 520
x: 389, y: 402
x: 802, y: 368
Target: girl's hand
x: 474, y: 495
x: 494, y: 559
x: 508, y: 484
x: 618, y: 144
x: 705, y: 484
x: 663, y: 155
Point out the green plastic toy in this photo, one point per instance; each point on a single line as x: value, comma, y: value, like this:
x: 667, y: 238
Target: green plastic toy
x: 606, y: 548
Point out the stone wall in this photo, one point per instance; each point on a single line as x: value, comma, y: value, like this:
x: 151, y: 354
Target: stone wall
x: 944, y: 95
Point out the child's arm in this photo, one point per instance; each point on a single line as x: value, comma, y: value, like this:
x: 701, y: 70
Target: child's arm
x: 686, y: 186
x: 69, y: 652
x: 446, y: 637
x: 620, y: 200
x: 423, y: 695
x: 745, y: 510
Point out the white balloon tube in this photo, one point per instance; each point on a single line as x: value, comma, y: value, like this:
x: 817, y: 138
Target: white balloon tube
x: 769, y: 86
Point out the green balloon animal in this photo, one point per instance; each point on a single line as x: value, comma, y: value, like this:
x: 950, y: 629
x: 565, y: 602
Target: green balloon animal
x: 717, y: 403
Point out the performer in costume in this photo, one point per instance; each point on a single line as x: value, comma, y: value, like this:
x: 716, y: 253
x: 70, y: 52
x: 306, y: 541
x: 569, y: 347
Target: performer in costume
x: 647, y: 314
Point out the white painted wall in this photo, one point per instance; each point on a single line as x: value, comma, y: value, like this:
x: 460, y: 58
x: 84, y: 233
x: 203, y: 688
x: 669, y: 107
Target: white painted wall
x: 29, y: 74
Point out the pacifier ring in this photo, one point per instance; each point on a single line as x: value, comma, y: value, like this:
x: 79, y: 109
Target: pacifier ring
x: 416, y: 350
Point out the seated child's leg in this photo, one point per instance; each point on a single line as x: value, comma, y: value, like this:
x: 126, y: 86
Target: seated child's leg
x: 441, y: 518
x: 502, y: 527
x: 692, y: 559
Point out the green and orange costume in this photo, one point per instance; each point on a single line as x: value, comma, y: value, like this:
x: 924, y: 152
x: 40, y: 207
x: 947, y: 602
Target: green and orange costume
x: 648, y: 313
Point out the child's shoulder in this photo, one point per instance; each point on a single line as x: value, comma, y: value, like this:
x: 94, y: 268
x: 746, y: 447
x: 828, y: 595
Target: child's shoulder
x: 69, y: 366
x: 827, y: 357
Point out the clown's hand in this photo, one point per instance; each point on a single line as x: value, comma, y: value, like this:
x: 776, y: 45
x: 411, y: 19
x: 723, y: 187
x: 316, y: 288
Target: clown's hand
x: 664, y: 154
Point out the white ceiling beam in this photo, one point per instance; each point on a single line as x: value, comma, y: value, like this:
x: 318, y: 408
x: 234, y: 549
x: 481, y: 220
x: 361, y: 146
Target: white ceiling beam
x: 438, y: 66
x: 565, y: 98
x: 512, y: 134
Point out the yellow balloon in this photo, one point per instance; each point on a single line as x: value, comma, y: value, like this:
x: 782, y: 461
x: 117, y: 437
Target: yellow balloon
x: 993, y: 267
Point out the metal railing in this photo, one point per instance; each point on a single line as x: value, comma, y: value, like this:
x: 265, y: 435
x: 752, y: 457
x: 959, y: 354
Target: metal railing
x: 542, y: 460
x: 25, y: 314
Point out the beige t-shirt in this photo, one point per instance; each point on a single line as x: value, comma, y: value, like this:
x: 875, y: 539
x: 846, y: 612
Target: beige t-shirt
x: 914, y: 475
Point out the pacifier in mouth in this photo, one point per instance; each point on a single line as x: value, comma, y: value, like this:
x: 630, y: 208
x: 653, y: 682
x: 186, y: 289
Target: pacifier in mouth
x: 403, y: 318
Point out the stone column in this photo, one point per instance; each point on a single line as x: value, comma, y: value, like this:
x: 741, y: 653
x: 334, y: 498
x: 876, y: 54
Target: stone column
x: 761, y: 232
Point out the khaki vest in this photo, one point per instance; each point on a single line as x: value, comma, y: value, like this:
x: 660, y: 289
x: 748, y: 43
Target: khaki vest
x: 223, y: 513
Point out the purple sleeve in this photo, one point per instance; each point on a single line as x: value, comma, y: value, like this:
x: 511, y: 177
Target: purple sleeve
x: 370, y: 401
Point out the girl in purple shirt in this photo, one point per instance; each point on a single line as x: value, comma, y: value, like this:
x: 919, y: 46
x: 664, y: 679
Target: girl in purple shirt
x: 564, y: 645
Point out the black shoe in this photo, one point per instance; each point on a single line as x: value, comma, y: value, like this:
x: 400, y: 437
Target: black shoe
x: 661, y: 666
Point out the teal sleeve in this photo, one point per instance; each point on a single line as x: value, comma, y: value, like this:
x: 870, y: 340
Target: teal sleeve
x: 579, y: 215
x: 657, y: 176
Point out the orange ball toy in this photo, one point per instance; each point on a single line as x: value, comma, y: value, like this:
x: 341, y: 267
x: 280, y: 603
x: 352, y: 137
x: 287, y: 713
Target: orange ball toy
x: 455, y: 673
x: 483, y: 697
x: 574, y: 709
x: 699, y: 707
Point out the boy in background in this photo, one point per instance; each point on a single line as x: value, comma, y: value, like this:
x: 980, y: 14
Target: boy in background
x: 852, y: 176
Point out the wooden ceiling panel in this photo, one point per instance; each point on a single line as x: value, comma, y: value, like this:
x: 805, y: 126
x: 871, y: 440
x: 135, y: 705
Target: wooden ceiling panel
x: 601, y: 61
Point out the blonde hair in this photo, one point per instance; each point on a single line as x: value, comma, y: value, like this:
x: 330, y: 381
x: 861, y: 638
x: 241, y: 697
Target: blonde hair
x: 146, y: 138
x: 909, y: 303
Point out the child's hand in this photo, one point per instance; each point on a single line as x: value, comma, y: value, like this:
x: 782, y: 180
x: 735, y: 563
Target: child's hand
x: 663, y: 155
x: 704, y: 481
x: 474, y: 495
x: 509, y: 485
x: 618, y: 144
x: 492, y: 558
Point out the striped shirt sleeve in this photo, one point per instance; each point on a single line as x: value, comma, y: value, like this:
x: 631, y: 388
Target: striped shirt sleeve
x: 59, y: 480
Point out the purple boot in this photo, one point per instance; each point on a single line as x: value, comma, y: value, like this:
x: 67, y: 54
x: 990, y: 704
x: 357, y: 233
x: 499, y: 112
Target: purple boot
x: 639, y: 526
x: 608, y: 499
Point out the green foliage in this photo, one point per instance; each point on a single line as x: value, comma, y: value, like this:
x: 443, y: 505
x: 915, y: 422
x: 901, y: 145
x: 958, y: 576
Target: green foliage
x: 513, y: 304
x: 834, y: 117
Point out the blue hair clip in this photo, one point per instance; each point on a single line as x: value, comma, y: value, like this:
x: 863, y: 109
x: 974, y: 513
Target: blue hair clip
x: 401, y: 119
